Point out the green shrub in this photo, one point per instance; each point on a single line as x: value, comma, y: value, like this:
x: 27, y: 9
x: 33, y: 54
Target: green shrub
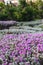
x: 23, y: 12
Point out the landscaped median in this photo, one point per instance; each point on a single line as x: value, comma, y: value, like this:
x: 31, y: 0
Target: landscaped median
x: 21, y: 49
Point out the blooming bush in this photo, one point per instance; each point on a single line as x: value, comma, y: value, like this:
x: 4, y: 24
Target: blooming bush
x: 21, y: 49
x: 6, y: 24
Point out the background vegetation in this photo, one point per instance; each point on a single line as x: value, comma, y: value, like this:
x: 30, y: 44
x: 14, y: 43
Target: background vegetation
x: 22, y: 12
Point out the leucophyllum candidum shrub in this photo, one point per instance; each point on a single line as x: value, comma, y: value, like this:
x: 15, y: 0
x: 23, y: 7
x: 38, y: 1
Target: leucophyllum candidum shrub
x: 21, y: 48
x: 6, y: 24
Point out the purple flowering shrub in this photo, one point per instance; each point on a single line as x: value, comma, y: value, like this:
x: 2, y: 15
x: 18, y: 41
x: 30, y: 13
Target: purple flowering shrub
x: 16, y: 49
x: 6, y: 24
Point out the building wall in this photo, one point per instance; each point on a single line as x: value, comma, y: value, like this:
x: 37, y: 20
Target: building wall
x: 1, y: 0
x: 16, y: 1
x: 13, y: 1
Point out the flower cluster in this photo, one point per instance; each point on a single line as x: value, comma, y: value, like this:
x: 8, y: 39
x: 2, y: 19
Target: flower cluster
x: 5, y: 23
x: 18, y: 48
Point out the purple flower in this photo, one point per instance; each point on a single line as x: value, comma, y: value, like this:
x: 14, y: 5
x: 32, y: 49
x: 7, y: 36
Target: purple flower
x: 20, y: 47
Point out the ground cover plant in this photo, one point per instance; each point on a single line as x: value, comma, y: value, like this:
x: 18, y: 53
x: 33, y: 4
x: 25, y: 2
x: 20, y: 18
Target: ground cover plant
x: 21, y: 49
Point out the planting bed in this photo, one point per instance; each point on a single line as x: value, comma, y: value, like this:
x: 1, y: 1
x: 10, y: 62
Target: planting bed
x: 21, y: 49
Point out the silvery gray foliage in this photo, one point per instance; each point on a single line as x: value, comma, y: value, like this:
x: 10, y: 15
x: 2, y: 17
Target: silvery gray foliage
x: 35, y: 62
x: 16, y: 31
x: 33, y: 23
x: 21, y: 63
